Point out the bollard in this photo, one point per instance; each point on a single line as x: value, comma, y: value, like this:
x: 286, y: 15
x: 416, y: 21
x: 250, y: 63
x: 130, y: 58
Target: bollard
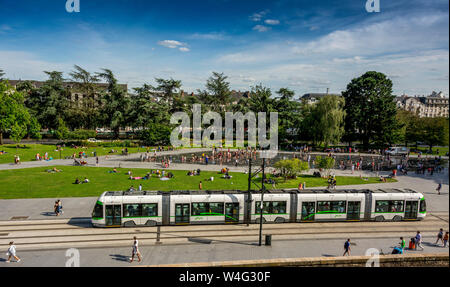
x: 158, y: 234
x: 268, y: 240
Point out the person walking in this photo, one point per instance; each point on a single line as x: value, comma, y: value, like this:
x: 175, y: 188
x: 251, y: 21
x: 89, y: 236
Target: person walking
x: 418, y: 240
x: 347, y: 247
x: 439, y: 188
x: 140, y: 187
x: 200, y: 185
x: 60, y: 207
x: 12, y: 252
x: 135, y: 251
x: 445, y: 239
x: 440, y: 236
x: 96, y: 160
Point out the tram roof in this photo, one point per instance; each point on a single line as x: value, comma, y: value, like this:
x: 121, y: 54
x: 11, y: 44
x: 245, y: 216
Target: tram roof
x: 278, y: 191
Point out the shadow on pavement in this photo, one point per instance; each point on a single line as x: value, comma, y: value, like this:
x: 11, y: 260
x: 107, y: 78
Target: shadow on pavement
x: 119, y: 257
x: 80, y: 222
x: 2, y: 260
x: 48, y: 213
x: 328, y: 255
x: 200, y: 240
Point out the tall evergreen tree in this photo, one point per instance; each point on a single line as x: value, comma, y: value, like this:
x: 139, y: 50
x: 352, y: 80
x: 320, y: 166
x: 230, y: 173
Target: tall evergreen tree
x: 116, y: 103
x: 49, y: 102
x: 87, y: 113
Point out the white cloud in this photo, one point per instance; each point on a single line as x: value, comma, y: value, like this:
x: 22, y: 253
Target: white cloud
x: 208, y: 36
x: 170, y: 43
x: 184, y: 49
x: 271, y: 22
x: 261, y: 28
x: 258, y: 16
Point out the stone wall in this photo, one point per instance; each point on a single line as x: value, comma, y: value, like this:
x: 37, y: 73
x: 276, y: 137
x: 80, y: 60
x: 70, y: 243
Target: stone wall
x: 406, y: 260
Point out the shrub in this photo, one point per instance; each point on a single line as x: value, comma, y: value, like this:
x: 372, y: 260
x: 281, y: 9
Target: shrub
x: 82, y: 134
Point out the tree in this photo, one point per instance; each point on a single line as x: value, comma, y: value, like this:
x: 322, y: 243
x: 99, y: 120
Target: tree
x: 325, y: 120
x: 260, y: 100
x: 288, y: 111
x: 435, y: 131
x: 169, y: 90
x: 1, y: 74
x: 49, y: 102
x: 115, y: 103
x: 62, y: 132
x: 14, y: 117
x: 88, y: 113
x: 218, y: 90
x: 326, y: 163
x: 156, y: 134
x: 370, y: 109
x: 291, y: 168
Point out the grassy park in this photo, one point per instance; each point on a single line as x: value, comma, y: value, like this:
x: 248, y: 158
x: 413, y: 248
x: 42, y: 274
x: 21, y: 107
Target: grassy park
x: 39, y: 183
x: 28, y: 152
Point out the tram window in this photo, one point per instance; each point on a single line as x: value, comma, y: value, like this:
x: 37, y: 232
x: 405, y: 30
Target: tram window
x: 279, y: 207
x: 381, y: 206
x: 216, y: 207
x: 198, y: 208
x: 336, y: 206
x: 423, y: 206
x: 396, y: 205
x: 389, y: 205
x: 131, y: 210
x: 267, y: 207
x: 323, y: 206
x: 98, y: 211
x: 149, y: 209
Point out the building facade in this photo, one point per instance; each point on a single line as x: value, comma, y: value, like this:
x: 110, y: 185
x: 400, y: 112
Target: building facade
x: 434, y: 105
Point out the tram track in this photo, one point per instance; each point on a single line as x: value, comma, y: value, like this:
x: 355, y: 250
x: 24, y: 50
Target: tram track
x: 66, y: 236
x: 198, y: 228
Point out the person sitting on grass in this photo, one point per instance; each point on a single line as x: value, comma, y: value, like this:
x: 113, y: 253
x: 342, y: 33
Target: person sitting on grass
x: 86, y: 180
x: 77, y: 181
x: 129, y: 172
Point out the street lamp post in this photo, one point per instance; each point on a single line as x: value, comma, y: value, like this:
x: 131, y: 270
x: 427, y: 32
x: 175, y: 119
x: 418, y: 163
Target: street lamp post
x: 262, y: 202
x: 249, y: 197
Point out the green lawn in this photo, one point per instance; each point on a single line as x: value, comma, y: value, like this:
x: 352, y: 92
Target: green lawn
x: 29, y: 152
x: 442, y: 150
x: 37, y: 183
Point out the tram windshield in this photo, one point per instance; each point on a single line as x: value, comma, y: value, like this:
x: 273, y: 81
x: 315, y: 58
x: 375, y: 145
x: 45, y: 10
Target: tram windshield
x: 423, y: 206
x: 98, y: 211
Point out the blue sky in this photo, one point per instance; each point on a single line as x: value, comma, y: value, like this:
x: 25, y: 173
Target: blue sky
x: 308, y: 46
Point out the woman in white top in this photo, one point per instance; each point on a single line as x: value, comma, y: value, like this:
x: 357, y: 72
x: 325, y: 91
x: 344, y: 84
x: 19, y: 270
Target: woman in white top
x: 135, y: 251
x: 12, y: 252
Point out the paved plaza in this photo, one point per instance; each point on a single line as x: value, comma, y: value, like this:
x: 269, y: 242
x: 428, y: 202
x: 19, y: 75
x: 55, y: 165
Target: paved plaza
x: 332, y: 245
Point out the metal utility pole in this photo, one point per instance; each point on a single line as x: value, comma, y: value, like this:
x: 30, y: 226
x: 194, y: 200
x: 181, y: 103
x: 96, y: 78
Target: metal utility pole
x: 262, y: 202
x: 249, y: 197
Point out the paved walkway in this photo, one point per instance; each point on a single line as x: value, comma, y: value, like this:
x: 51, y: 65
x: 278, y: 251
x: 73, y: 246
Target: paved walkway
x: 161, y: 254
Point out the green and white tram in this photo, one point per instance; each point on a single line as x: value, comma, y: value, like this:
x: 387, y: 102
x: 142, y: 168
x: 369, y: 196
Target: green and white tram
x: 150, y: 208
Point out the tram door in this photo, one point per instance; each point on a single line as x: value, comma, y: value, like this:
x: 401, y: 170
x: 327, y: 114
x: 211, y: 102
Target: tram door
x: 182, y: 213
x: 308, y: 211
x: 232, y: 212
x: 353, y: 210
x: 113, y: 215
x: 411, y: 209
